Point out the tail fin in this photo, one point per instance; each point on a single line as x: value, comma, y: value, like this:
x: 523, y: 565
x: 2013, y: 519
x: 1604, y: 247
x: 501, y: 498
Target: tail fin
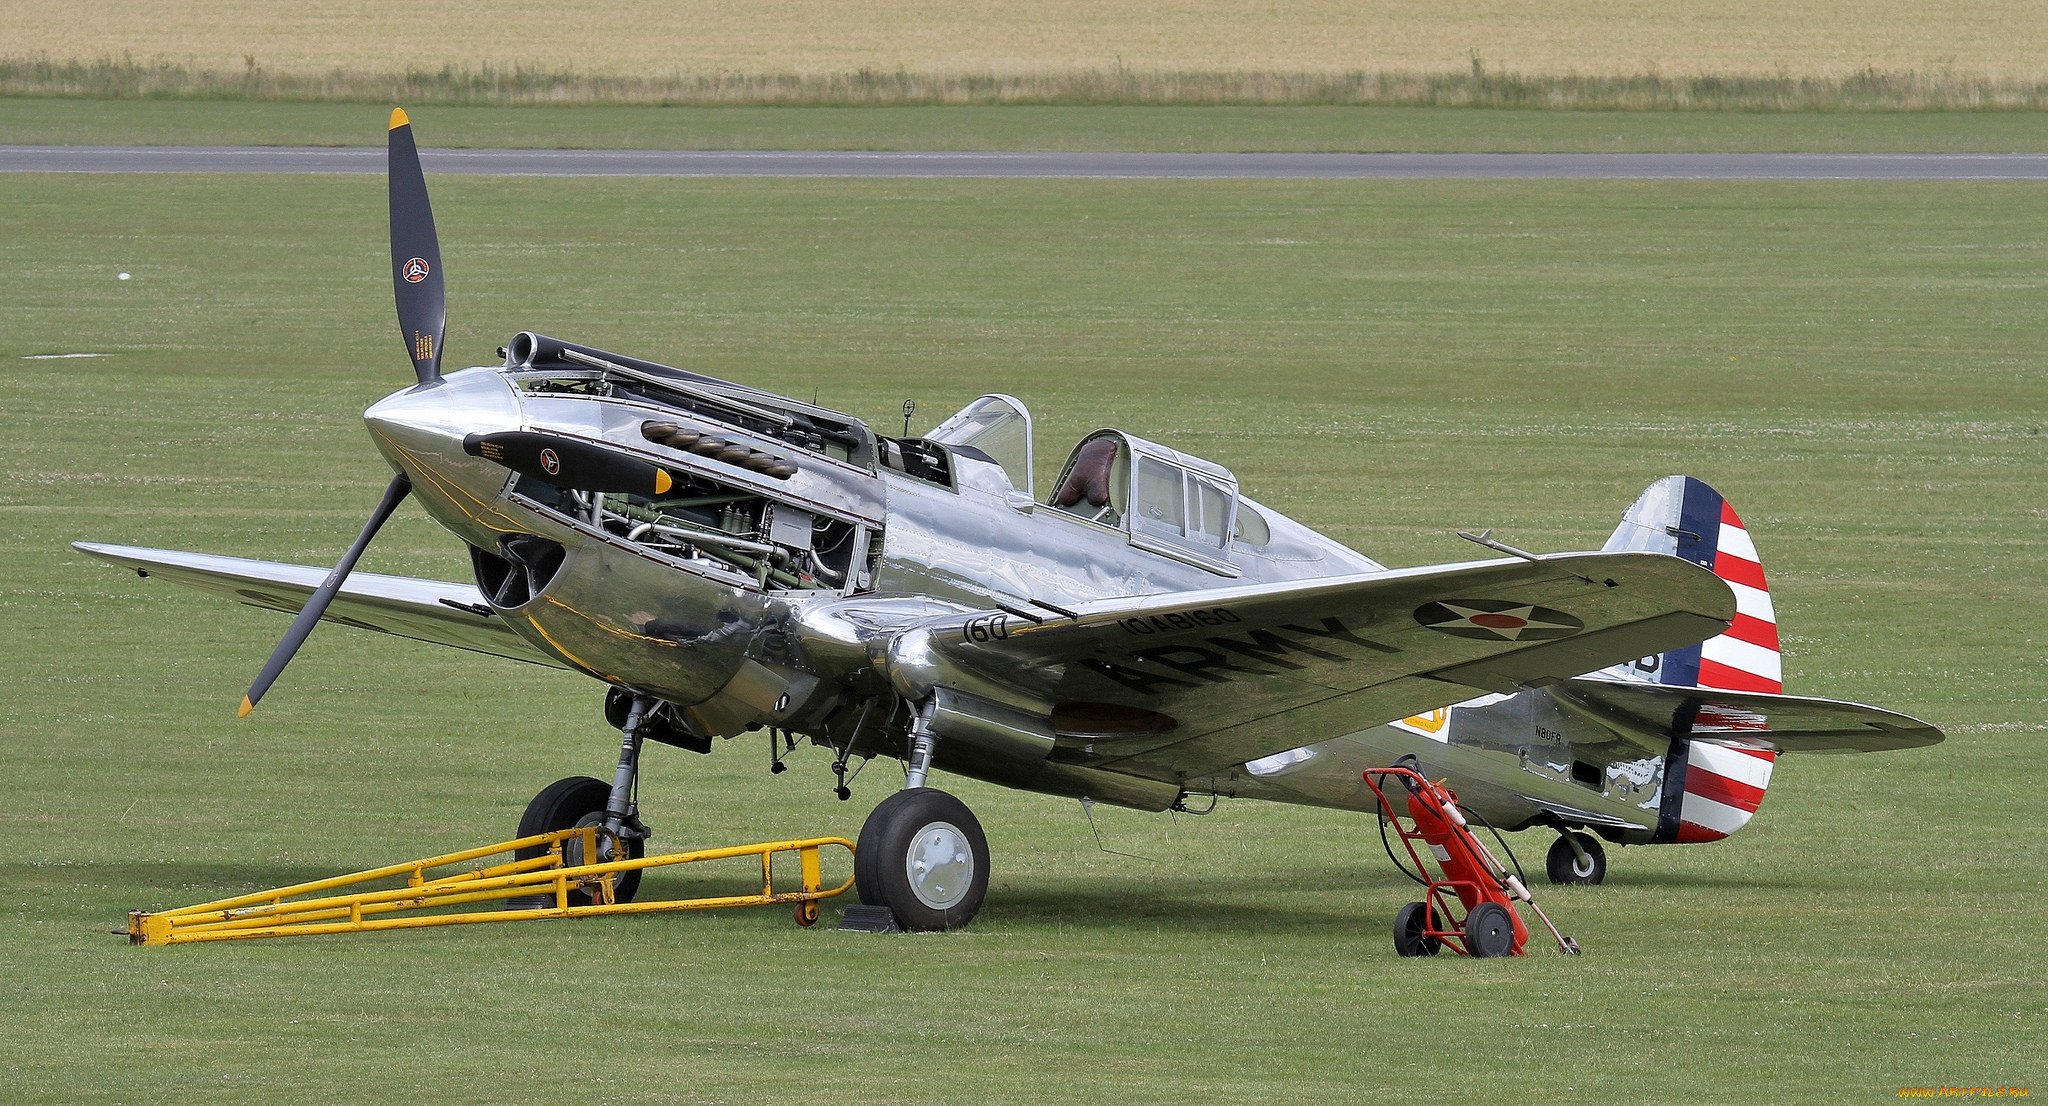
x: 1712, y: 788
x: 1685, y: 517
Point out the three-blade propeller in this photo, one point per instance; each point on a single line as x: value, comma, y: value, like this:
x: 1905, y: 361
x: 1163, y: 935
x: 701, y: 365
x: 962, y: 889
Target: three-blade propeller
x: 422, y: 319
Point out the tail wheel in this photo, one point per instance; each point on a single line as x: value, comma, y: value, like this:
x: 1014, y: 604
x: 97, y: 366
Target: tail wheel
x: 1565, y: 866
x: 570, y: 804
x: 922, y: 854
x: 1489, y: 930
x: 1410, y: 931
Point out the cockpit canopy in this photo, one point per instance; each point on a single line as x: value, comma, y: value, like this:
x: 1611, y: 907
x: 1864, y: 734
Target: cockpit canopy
x: 997, y: 427
x: 1154, y: 491
x: 1166, y: 500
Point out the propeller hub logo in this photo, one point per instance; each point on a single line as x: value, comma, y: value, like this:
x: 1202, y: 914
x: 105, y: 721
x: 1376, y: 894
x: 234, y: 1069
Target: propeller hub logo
x: 551, y: 462
x: 415, y: 270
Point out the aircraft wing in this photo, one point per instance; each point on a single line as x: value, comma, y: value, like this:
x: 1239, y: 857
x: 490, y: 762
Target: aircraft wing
x: 1172, y: 686
x: 425, y: 610
x: 1786, y: 723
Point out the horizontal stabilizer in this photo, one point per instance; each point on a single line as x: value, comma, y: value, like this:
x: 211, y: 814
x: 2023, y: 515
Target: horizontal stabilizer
x: 436, y: 611
x: 1783, y: 723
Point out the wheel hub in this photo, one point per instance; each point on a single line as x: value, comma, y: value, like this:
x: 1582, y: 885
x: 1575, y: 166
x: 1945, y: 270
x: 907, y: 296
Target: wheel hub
x: 940, y: 864
x: 607, y: 845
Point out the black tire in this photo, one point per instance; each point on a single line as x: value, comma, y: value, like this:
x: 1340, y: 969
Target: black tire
x: 921, y: 830
x: 1489, y: 930
x: 565, y: 804
x: 1564, y: 866
x: 1409, y: 936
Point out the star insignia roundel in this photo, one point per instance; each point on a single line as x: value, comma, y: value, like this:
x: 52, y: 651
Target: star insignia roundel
x: 1497, y: 620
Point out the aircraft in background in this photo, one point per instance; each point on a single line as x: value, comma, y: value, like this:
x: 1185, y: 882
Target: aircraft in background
x: 727, y: 560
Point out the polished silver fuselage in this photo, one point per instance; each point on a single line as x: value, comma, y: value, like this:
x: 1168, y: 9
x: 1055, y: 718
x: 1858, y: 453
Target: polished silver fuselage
x: 737, y: 648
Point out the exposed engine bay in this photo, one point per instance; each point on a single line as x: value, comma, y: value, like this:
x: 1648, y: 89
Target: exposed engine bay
x: 717, y: 527
x: 727, y: 527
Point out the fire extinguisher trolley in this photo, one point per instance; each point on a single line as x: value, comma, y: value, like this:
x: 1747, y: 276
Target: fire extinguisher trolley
x: 1469, y: 904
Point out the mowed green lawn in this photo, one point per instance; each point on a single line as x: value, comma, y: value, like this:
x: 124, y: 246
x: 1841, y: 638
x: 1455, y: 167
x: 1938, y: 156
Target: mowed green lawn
x: 1858, y: 366
x: 1309, y: 128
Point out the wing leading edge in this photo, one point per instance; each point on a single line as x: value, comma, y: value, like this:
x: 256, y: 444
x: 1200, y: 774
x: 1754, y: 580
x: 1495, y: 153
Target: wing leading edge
x: 436, y: 611
x: 1190, y: 683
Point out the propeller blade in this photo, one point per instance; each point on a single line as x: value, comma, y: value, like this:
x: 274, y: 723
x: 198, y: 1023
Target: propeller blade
x: 570, y: 463
x: 415, y: 255
x: 317, y: 604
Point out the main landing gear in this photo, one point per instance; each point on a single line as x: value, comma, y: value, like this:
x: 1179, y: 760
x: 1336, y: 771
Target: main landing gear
x: 1576, y: 858
x: 922, y: 854
x: 574, y: 803
x: 580, y: 801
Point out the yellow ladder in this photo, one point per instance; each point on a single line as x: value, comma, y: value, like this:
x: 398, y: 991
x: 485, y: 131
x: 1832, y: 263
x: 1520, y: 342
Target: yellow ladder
x: 328, y: 906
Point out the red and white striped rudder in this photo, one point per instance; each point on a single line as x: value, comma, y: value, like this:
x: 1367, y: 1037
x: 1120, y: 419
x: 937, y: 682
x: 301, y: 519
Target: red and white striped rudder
x: 1713, y: 787
x: 1722, y: 788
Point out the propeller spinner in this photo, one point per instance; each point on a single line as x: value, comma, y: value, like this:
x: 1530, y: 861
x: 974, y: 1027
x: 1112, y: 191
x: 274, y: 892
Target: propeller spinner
x: 422, y: 319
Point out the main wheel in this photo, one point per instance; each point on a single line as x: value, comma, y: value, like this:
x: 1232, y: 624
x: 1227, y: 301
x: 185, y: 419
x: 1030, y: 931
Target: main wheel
x: 1489, y: 930
x: 922, y: 854
x: 569, y: 804
x: 1410, y: 938
x: 1564, y: 866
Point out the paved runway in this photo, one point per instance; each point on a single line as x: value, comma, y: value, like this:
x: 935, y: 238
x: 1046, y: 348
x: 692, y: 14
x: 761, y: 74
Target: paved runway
x: 819, y: 163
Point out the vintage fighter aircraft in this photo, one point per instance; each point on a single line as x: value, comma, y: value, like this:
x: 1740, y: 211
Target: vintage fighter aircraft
x: 728, y: 560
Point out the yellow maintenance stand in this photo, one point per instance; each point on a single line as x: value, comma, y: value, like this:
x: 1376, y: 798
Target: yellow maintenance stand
x: 547, y: 885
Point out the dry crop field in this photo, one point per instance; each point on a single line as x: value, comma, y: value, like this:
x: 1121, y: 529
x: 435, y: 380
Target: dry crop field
x: 1996, y: 40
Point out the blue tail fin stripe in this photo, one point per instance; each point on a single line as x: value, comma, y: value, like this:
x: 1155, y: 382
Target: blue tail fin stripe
x: 1699, y: 538
x: 1699, y: 520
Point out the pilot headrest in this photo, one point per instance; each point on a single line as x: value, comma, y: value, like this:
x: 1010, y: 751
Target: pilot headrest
x: 1089, y: 478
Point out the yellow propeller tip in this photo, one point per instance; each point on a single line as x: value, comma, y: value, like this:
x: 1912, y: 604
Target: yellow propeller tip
x: 245, y: 708
x: 662, y: 482
x: 399, y: 119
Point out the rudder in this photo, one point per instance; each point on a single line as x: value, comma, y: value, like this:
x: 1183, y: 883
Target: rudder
x: 1713, y: 788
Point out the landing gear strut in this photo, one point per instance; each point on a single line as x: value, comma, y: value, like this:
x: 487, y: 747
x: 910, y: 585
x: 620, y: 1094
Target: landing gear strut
x: 922, y: 853
x: 1576, y: 858
x: 571, y: 804
x: 580, y: 801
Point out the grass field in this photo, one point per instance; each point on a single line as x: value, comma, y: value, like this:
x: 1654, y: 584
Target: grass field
x: 1994, y: 38
x: 1856, y: 365
x: 1020, y: 127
